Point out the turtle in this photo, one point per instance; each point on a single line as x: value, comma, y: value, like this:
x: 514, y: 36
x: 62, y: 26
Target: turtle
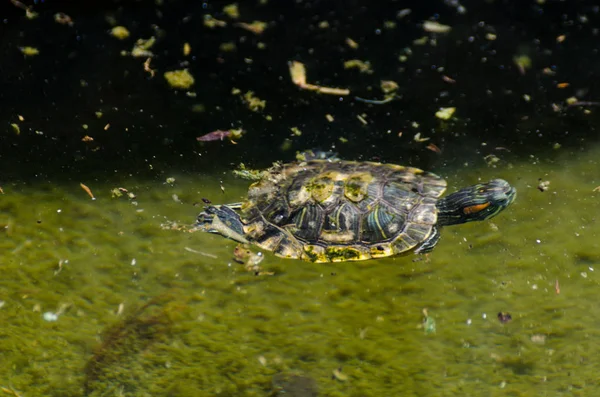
x: 331, y: 210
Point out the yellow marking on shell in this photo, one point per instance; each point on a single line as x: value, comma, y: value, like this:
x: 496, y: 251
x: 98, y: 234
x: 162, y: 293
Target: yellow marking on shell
x: 299, y: 197
x: 356, y: 185
x: 376, y: 218
x: 337, y: 237
x: 475, y: 208
x: 321, y: 186
x: 301, y: 218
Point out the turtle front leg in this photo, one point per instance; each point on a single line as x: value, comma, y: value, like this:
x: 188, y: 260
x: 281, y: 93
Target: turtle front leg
x: 223, y: 220
x: 430, y: 242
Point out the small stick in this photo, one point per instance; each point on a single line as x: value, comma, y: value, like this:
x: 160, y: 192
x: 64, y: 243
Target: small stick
x: 88, y: 191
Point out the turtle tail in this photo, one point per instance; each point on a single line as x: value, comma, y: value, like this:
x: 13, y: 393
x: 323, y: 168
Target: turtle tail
x: 223, y: 220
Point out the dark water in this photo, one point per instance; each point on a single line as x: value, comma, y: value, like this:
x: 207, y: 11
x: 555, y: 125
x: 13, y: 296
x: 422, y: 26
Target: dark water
x: 143, y: 307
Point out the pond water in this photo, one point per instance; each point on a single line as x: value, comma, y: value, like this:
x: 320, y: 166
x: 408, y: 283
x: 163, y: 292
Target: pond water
x: 114, y: 296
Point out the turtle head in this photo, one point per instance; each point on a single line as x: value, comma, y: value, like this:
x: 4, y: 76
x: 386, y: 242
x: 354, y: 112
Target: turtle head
x: 475, y: 203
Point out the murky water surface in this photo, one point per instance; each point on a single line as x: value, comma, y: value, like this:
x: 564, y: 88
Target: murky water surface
x: 209, y: 327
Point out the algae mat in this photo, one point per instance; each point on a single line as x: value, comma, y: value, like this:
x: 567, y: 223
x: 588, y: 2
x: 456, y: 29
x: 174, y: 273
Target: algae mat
x: 108, y: 297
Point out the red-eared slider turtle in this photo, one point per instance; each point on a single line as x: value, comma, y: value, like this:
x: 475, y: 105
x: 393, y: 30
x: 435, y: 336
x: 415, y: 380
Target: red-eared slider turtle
x: 334, y: 210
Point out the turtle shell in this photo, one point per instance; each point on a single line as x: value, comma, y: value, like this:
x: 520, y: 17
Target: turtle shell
x: 324, y: 211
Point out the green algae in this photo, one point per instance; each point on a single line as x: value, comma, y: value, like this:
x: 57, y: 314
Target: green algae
x: 224, y: 331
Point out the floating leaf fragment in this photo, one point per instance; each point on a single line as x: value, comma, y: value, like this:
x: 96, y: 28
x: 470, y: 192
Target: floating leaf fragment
x: 211, y: 22
x: 179, y: 79
x: 248, y: 174
x: 388, y: 86
x: 428, y: 323
x: 435, y: 27
x: 120, y: 32
x: 523, y: 62
x: 298, y: 76
x: 63, y: 19
x: 232, y: 11
x: 217, y: 135
x: 142, y: 47
x: 362, y: 66
x: 29, y: 51
x: 339, y: 375
x: 256, y: 27
x: 434, y: 148
x: 445, y: 113
x: 351, y: 43
x: 16, y: 128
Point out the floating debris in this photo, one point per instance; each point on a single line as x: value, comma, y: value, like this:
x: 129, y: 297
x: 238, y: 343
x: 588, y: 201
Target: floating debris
x: 141, y: 48
x: 298, y: 75
x: 538, y: 339
x: 256, y: 27
x: 375, y: 101
x: 418, y: 138
x: 16, y: 128
x: 200, y: 252
x: 120, y: 32
x: 434, y: 148
x: 543, y: 185
x: 232, y: 11
x: 220, y: 135
x: 63, y: 19
x: 248, y: 174
x: 50, y: 316
x: 88, y: 191
x: 179, y: 79
x: 337, y: 374
x: 523, y: 63
x: 211, y: 22
x: 388, y: 86
x: 403, y: 13
x: 253, y: 102
x: 29, y: 51
x: 362, y: 66
x: 435, y: 27
x: 29, y: 13
x: 445, y: 113
x: 187, y: 49
x: 504, y: 317
x: 217, y: 135
x: 148, y: 69
x: 428, y: 322
x: 351, y: 43
x: 53, y: 316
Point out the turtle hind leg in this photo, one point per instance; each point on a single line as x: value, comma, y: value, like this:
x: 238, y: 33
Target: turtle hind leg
x: 223, y: 220
x: 430, y: 242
